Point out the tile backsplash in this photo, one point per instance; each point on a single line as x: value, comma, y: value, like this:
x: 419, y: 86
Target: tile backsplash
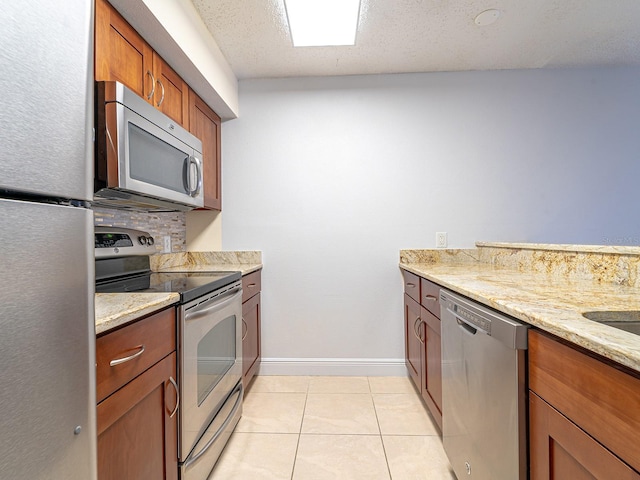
x: 157, y: 224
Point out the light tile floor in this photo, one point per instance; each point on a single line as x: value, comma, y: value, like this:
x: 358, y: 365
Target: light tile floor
x: 346, y: 428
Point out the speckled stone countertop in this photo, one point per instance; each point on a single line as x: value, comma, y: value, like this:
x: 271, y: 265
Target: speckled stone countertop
x: 547, y: 286
x: 116, y: 309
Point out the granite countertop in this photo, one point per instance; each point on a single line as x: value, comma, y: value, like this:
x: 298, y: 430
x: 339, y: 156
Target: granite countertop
x: 549, y: 288
x: 116, y: 309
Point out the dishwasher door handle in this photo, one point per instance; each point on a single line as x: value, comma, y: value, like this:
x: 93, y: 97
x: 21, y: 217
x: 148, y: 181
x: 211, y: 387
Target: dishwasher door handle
x: 465, y: 326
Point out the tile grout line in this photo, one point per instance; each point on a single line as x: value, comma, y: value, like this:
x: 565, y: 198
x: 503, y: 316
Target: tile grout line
x: 384, y: 450
x: 304, y: 408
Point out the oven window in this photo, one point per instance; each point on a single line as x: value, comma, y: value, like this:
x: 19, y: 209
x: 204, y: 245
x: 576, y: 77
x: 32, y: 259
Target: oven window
x: 216, y: 355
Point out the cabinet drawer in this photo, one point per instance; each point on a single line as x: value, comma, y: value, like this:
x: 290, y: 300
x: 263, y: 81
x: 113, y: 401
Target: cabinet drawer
x: 430, y: 296
x: 154, y: 336
x: 601, y: 399
x: 412, y: 285
x: 250, y: 285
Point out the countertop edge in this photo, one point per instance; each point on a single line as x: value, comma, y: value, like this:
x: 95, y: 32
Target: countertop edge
x: 116, y: 309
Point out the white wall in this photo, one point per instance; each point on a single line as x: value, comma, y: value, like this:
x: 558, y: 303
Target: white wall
x: 331, y: 177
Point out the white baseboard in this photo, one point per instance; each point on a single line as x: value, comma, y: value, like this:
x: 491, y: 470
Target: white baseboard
x: 369, y: 367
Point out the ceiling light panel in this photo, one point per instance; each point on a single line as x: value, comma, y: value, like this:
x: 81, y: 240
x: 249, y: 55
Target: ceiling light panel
x: 315, y: 23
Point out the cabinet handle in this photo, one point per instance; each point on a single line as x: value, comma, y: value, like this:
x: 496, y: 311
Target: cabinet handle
x: 246, y: 329
x: 118, y: 361
x: 430, y: 297
x: 251, y: 285
x: 153, y: 85
x: 411, y: 285
x: 415, y: 330
x: 162, y: 96
x: 175, y: 385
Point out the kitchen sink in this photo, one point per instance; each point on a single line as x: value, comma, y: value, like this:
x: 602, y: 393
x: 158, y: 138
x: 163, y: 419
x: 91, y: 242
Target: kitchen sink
x: 627, y: 320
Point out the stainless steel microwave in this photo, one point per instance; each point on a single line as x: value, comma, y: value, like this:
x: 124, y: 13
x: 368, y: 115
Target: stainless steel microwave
x: 144, y: 160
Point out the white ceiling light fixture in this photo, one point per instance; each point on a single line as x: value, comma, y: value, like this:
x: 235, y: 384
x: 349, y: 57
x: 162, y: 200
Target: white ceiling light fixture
x: 316, y: 23
x: 487, y: 17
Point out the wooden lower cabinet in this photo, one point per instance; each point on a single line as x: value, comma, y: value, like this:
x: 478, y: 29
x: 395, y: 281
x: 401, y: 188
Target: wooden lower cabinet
x: 137, y: 437
x: 250, y: 337
x: 423, y: 352
x: 251, y: 328
x: 584, y: 414
x: 413, y: 340
x: 561, y: 450
x: 137, y: 394
x: 432, y: 390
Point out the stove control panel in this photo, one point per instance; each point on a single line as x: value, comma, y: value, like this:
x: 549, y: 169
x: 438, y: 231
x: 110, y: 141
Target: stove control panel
x: 121, y: 242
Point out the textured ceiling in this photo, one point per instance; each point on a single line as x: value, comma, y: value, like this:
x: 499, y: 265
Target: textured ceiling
x: 396, y: 36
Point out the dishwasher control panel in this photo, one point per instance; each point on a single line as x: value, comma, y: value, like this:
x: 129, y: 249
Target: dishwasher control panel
x: 472, y: 318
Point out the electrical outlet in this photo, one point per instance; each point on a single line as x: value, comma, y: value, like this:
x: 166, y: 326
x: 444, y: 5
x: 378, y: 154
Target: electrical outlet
x: 441, y: 239
x: 167, y: 244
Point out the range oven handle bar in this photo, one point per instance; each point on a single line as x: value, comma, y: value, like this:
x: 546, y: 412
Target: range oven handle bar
x: 238, y: 388
x: 212, y: 305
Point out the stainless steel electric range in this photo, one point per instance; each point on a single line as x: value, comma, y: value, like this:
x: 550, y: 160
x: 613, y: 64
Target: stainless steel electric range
x: 209, y: 341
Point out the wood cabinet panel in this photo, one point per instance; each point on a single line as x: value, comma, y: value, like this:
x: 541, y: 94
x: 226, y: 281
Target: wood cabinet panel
x: 206, y: 125
x: 413, y: 347
x: 430, y: 296
x: 561, y: 450
x: 412, y: 285
x: 602, y: 400
x: 137, y: 437
x: 251, y: 284
x: 432, y: 381
x: 156, y: 334
x: 423, y: 351
x: 250, y: 338
x: 171, y: 95
x: 120, y: 53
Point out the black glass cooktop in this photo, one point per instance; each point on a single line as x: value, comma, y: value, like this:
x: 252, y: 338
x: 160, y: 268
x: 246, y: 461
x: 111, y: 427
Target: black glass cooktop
x: 133, y: 277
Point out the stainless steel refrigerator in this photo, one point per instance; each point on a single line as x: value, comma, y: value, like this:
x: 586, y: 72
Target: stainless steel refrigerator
x: 47, y: 329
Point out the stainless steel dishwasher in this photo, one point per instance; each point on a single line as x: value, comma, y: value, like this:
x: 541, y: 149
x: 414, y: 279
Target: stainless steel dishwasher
x: 484, y: 396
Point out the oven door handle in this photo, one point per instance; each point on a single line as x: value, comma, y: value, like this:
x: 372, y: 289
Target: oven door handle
x: 217, y: 303
x: 238, y: 388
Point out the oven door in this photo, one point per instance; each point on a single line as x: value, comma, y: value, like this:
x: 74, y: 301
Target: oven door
x: 210, y: 361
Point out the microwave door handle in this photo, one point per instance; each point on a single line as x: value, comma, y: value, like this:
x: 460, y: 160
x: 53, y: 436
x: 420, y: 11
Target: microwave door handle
x: 192, y: 161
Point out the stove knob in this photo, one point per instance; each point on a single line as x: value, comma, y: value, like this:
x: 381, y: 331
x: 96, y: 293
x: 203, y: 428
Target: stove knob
x: 142, y: 240
x: 150, y: 241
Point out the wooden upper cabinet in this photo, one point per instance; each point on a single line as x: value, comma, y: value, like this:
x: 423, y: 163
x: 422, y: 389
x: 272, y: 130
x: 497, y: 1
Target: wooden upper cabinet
x: 205, y: 124
x: 171, y: 94
x: 120, y: 53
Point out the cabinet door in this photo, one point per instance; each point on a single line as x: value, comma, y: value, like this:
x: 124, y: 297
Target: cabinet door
x: 120, y: 53
x: 559, y: 449
x: 432, y: 373
x: 137, y: 437
x: 205, y: 124
x: 171, y: 95
x: 250, y: 338
x: 413, y: 340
